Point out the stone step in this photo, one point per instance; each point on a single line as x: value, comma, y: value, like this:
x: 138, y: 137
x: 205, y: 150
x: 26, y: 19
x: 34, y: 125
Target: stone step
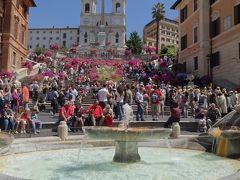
x: 185, y: 125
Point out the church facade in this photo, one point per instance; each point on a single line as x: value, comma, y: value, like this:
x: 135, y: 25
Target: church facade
x: 107, y: 30
x: 103, y: 29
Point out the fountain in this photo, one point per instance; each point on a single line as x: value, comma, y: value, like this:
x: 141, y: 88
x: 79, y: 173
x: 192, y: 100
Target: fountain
x: 226, y: 132
x: 5, y: 141
x: 126, y: 138
x: 182, y: 159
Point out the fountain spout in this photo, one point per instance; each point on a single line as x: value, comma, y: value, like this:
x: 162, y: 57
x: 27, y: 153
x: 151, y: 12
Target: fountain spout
x: 128, y: 116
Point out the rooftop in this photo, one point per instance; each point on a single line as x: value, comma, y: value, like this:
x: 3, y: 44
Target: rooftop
x: 165, y: 19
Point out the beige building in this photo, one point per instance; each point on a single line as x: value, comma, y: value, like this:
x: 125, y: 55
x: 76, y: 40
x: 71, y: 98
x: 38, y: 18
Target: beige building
x: 210, y: 38
x: 168, y: 34
x: 13, y: 32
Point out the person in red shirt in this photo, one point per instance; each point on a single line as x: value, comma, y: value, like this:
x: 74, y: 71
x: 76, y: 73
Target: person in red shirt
x: 155, y: 100
x: 175, y: 115
x: 66, y: 112
x: 95, y: 114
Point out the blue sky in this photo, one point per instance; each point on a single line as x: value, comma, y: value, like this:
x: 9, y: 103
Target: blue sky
x: 62, y: 13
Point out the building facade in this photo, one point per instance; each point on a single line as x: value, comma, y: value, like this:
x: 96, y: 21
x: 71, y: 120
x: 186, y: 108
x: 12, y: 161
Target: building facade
x: 168, y: 35
x: 113, y: 24
x: 45, y: 37
x: 210, y: 38
x: 13, y: 32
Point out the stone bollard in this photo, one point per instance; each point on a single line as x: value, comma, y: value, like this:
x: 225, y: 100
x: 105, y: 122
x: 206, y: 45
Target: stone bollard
x: 175, y: 130
x: 63, y: 130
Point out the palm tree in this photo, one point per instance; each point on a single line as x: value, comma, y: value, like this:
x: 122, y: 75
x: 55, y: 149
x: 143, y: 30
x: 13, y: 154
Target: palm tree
x: 158, y: 13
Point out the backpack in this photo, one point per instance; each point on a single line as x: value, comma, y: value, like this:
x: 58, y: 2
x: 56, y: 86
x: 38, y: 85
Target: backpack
x: 201, y: 99
x: 154, y: 97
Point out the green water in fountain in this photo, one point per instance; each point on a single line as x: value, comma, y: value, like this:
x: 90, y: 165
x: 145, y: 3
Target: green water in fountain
x: 96, y: 163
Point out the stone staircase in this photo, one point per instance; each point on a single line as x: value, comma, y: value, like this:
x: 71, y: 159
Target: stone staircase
x: 187, y: 124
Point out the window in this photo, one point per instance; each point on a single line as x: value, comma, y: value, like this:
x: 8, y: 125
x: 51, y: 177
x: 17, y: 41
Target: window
x: 44, y: 38
x: 212, y: 1
x: 183, y: 14
x: 227, y: 23
x: 37, y: 32
x: 14, y: 59
x: 78, y: 31
x: 37, y: 46
x: 168, y: 40
x: 70, y: 38
x: 184, y: 42
x: 50, y: 38
x: 163, y: 39
x: 17, y: 4
x: 64, y: 43
x: 195, y: 63
x: 23, y: 35
x: 87, y: 8
x: 57, y: 32
x: 64, y: 35
x: 215, y: 27
x: 195, y: 5
x: 50, y: 32
x: 185, y: 66
x: 118, y: 8
x: 57, y: 38
x: 215, y: 60
x: 117, y: 38
x: 25, y: 10
x: 237, y: 14
x: 85, y: 37
x: 30, y: 46
x: 44, y: 32
x: 78, y: 39
x: 16, y: 28
x: 44, y: 46
x: 195, y: 34
x: 239, y: 50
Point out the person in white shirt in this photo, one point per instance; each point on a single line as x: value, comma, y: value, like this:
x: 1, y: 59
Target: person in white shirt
x: 103, y: 96
x: 139, y: 102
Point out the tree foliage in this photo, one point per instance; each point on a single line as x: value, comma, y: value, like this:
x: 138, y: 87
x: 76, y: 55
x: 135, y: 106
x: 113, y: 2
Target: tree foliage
x: 134, y: 43
x: 39, y: 51
x: 169, y: 51
x: 158, y: 13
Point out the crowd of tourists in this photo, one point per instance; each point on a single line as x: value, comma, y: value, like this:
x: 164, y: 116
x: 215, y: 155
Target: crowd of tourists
x: 20, y: 104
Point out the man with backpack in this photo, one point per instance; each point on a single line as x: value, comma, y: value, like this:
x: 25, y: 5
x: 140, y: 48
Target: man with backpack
x: 155, y: 102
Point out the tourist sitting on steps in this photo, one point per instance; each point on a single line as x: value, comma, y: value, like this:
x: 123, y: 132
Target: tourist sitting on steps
x: 174, y: 117
x: 108, y: 116
x: 95, y: 114
x: 34, y: 121
x: 7, y: 118
x: 66, y: 113
x: 77, y: 118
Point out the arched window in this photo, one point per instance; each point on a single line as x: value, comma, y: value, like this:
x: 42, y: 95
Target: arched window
x: 85, y: 37
x: 117, y: 38
x: 87, y: 8
x: 118, y: 7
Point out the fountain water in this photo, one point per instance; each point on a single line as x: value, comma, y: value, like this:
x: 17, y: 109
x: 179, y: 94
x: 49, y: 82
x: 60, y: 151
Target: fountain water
x: 126, y: 138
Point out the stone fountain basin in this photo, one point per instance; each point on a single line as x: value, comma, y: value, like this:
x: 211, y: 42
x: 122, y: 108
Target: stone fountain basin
x: 5, y: 141
x: 231, y: 133
x: 131, y: 134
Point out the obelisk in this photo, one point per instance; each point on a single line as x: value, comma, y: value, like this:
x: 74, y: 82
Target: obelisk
x: 103, y: 13
x: 102, y: 33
